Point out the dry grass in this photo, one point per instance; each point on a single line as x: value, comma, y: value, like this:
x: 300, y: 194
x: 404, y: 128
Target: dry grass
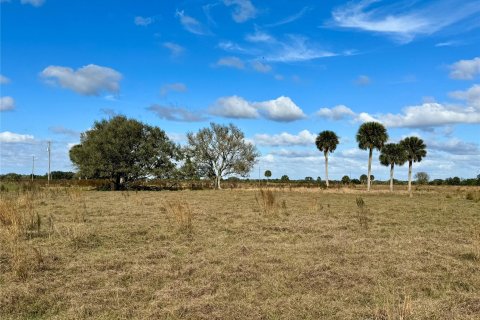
x: 230, y: 254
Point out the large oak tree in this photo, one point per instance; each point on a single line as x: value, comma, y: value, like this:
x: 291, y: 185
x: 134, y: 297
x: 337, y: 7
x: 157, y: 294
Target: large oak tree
x: 122, y: 150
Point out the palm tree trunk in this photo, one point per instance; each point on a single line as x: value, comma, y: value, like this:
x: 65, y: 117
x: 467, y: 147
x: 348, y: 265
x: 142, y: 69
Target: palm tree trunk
x: 391, y: 177
x: 326, y: 167
x: 410, y: 177
x: 217, y: 182
x: 369, y: 168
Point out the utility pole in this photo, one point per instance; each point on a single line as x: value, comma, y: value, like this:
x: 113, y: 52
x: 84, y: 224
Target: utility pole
x: 49, y: 153
x: 33, y: 166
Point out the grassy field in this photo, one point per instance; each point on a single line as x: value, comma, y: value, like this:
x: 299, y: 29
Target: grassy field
x: 240, y: 254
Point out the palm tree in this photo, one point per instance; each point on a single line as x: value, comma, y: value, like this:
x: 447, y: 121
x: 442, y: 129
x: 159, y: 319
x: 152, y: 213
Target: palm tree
x: 416, y: 150
x: 327, y: 142
x: 371, y: 135
x: 392, y: 154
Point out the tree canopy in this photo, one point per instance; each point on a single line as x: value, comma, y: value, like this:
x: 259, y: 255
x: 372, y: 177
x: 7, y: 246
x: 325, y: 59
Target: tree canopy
x: 220, y: 151
x: 122, y: 150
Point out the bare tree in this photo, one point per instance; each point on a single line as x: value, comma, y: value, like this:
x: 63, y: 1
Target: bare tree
x: 220, y: 151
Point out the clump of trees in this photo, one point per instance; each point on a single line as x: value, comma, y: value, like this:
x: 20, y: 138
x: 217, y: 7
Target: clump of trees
x: 124, y: 150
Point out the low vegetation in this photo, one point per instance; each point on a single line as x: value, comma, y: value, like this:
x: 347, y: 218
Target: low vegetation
x: 71, y: 253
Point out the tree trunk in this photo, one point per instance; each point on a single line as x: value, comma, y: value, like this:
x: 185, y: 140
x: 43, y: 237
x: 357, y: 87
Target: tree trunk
x: 410, y: 177
x: 115, y: 184
x: 391, y: 177
x: 217, y: 182
x: 326, y: 167
x: 369, y: 168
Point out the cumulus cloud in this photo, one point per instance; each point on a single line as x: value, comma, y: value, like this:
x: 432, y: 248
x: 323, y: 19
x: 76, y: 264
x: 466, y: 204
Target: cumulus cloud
x: 10, y: 137
x: 424, y: 116
x: 234, y: 107
x: 404, y: 22
x: 35, y: 3
x: 175, y: 49
x: 363, y: 80
x: 471, y: 96
x: 336, y: 113
x: 261, y: 67
x: 7, y: 103
x: 282, y: 109
x: 243, y: 10
x: 303, y: 138
x: 89, y: 80
x: 191, y: 24
x: 173, y: 113
x: 175, y: 87
x: 4, y: 80
x: 231, y: 62
x: 143, y: 21
x: 465, y: 69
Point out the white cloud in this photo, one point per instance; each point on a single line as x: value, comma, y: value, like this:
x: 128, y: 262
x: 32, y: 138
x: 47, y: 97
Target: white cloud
x: 169, y: 87
x: 403, y: 21
x: 4, y: 80
x: 303, y: 138
x: 363, y: 80
x: 35, y: 3
x: 244, y: 10
x: 425, y: 115
x: 471, y: 95
x: 143, y: 21
x: 191, y: 24
x: 10, y: 137
x: 465, y: 69
x: 336, y: 113
x: 174, y: 113
x: 295, y: 49
x: 175, y: 49
x: 259, y: 36
x: 89, y: 80
x: 261, y: 67
x: 232, y: 62
x: 234, y: 107
x: 7, y: 103
x: 282, y: 109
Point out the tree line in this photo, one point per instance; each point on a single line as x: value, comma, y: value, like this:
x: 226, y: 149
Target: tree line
x: 124, y: 150
x: 373, y: 135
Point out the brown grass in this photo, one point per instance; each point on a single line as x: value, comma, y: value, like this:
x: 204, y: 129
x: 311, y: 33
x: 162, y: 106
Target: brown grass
x: 114, y: 255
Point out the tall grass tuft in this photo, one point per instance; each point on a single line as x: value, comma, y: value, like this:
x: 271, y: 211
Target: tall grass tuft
x: 182, y: 213
x: 266, y: 200
x: 362, y: 213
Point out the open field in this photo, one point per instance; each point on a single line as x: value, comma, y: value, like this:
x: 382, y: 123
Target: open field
x: 67, y: 253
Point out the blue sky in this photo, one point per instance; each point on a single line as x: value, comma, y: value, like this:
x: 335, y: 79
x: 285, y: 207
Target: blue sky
x: 282, y: 71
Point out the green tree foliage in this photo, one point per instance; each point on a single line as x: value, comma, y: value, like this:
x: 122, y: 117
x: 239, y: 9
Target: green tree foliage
x: 422, y: 177
x: 345, y: 179
x: 220, y: 151
x: 123, y: 150
x: 363, y: 178
x: 326, y: 142
x: 284, y: 178
x: 62, y: 175
x: 416, y: 151
x: 392, y: 154
x: 268, y: 174
x: 371, y: 135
